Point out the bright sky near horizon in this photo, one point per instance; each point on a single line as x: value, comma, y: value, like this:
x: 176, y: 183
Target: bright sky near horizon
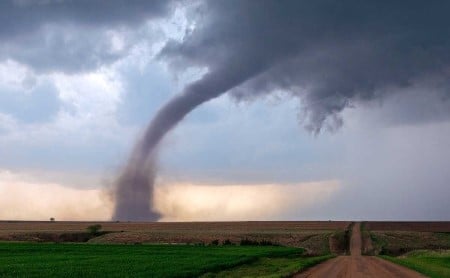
x: 79, y: 81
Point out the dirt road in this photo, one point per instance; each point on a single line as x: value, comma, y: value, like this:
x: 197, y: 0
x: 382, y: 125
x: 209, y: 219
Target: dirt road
x: 356, y: 265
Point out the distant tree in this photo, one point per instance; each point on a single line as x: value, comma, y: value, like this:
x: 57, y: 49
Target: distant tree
x: 52, y: 219
x: 94, y: 229
x: 227, y: 242
x: 215, y: 242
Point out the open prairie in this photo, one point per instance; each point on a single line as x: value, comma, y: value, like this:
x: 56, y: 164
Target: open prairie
x: 245, y: 248
x: 317, y: 237
x: 422, y: 226
x: 73, y: 226
x: 183, y: 249
x: 398, y: 238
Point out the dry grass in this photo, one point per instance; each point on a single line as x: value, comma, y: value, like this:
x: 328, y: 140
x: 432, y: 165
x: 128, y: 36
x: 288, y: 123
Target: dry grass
x: 396, y: 238
x: 400, y: 242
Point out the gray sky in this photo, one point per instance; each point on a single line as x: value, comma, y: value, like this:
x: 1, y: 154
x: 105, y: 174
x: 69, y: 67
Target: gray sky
x: 347, y: 93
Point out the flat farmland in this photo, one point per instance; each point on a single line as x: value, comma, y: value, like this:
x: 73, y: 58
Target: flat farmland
x: 398, y: 238
x: 117, y: 260
x: 317, y: 237
x: 74, y: 226
x: 224, y: 249
x: 437, y: 226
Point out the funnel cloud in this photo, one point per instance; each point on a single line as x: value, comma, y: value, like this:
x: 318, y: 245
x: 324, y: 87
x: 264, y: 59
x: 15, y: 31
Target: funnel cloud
x: 135, y: 184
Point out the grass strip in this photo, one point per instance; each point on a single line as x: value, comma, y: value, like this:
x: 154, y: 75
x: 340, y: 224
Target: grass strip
x: 431, y: 263
x: 271, y: 267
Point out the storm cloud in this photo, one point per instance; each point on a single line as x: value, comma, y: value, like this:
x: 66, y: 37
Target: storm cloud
x: 73, y: 36
x: 329, y: 54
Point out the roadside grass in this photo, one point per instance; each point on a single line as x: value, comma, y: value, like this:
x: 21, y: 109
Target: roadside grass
x: 431, y: 263
x: 340, y: 242
x: 317, y: 244
x: 271, y: 267
x: 368, y: 246
x: 87, y: 260
x: 394, y: 243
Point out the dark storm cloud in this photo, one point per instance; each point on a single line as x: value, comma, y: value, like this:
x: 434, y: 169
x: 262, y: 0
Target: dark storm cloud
x: 24, y: 16
x: 331, y: 54
x: 68, y: 35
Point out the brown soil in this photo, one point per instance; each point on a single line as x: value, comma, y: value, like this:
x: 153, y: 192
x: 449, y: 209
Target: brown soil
x: 356, y: 265
x: 35, y: 226
x: 408, y: 226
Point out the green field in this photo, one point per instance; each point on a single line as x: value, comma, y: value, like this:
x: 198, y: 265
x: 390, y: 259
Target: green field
x: 271, y: 267
x: 75, y: 260
x: 431, y: 263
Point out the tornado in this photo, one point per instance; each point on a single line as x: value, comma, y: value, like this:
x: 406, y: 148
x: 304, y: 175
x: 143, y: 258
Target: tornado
x: 134, y: 186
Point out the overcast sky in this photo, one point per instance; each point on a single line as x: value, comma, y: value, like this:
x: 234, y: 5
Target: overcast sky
x: 333, y: 109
